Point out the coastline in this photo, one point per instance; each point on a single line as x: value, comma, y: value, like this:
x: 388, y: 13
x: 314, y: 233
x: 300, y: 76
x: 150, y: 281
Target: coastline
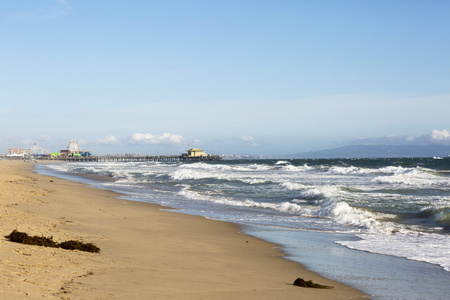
x: 146, y: 252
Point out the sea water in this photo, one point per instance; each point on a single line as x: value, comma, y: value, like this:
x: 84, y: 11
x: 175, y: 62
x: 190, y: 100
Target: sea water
x: 380, y: 225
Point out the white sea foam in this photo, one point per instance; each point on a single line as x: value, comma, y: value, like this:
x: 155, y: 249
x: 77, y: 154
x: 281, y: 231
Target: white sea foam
x: 195, y: 195
x: 412, y: 177
x: 348, y: 170
x: 291, y: 168
x: 206, y: 167
x: 392, y: 170
x: 343, y: 213
x: 282, y: 162
x: 293, y: 186
x: 425, y: 247
x: 252, y: 174
x: 184, y: 174
x: 323, y: 192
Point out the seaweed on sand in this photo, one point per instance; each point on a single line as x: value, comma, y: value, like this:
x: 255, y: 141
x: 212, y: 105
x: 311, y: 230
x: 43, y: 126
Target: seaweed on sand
x: 78, y: 245
x: 24, y: 238
x: 309, y: 284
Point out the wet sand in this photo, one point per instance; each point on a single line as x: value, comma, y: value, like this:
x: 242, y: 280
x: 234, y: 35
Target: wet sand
x: 146, y: 252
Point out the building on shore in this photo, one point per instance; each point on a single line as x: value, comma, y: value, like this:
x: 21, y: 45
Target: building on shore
x: 33, y: 152
x: 17, y: 152
x: 195, y: 153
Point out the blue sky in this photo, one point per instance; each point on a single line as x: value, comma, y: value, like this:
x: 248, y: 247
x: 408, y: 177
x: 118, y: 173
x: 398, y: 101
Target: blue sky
x: 248, y: 77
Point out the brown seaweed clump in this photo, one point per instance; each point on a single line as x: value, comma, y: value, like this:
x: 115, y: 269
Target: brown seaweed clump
x: 78, y: 245
x: 24, y: 238
x: 309, y: 284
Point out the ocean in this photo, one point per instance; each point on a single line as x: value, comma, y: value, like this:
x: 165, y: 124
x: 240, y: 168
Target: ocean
x: 380, y: 225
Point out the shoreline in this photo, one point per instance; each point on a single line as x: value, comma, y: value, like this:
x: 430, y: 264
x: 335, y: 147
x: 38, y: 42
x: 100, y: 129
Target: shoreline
x: 146, y: 250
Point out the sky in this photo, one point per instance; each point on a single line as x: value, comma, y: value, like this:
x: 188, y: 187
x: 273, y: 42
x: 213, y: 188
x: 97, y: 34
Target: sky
x: 247, y: 77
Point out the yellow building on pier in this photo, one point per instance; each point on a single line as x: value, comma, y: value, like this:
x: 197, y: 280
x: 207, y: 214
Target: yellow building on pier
x: 196, y: 153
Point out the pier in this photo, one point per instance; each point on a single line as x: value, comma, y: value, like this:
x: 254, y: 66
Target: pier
x: 73, y: 153
x: 159, y: 158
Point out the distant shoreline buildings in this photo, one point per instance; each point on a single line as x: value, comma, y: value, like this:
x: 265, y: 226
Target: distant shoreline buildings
x: 235, y: 156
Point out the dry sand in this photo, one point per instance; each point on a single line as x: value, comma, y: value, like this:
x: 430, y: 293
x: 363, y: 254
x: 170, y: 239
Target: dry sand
x: 146, y: 252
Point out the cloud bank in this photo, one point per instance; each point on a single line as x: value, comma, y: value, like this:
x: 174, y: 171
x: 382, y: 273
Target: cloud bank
x: 148, y: 138
x: 250, y: 140
x: 436, y: 137
x: 108, y: 140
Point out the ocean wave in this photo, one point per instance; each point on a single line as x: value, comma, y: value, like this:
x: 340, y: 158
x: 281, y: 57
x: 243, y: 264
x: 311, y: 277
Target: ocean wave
x: 412, y: 177
x: 256, y: 181
x: 393, y: 170
x: 228, y: 168
x: 293, y: 186
x: 282, y: 162
x: 342, y: 213
x: 339, y: 212
x: 439, y: 214
x: 205, y: 166
x: 348, y: 170
x: 195, y: 174
x: 424, y: 247
x: 306, y: 192
x: 290, y: 168
x: 281, y: 207
x: 187, y: 174
x: 251, y: 174
x: 319, y: 193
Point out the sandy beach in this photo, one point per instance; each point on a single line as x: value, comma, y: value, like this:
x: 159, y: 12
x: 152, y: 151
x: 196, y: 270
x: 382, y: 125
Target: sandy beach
x: 146, y: 252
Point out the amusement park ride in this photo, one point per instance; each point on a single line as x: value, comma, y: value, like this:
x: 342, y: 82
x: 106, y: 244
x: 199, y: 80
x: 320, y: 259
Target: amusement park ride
x: 34, y: 151
x: 73, y: 150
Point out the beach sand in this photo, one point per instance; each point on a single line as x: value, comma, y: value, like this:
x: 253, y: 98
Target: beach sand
x: 146, y: 252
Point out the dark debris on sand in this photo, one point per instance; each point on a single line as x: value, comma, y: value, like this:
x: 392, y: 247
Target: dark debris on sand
x: 24, y: 238
x: 309, y: 284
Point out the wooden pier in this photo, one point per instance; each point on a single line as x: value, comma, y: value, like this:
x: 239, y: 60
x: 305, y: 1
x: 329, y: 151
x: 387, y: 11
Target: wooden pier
x: 160, y: 158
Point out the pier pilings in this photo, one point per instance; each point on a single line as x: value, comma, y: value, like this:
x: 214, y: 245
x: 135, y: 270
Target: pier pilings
x: 158, y: 158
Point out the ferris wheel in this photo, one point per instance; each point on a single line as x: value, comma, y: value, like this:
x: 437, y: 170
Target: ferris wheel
x: 74, y: 146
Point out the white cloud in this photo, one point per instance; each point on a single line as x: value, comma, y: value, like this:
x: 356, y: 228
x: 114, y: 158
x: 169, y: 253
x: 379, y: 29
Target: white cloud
x: 440, y: 135
x: 249, y: 139
x: 145, y: 138
x: 148, y: 138
x: 171, y: 138
x: 108, y: 140
x: 410, y: 138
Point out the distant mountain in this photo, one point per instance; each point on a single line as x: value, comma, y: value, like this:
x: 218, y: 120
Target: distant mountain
x: 370, y: 151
